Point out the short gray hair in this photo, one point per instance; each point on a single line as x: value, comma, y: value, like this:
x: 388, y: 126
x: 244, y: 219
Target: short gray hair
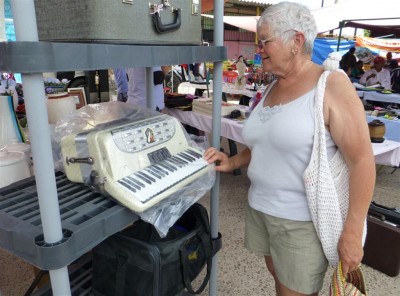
x: 287, y: 16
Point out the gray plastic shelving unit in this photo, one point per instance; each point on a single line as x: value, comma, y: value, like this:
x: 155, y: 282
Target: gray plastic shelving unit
x: 80, y: 277
x: 28, y: 219
x: 87, y: 218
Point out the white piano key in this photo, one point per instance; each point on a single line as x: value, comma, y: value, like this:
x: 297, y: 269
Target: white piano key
x: 154, y: 187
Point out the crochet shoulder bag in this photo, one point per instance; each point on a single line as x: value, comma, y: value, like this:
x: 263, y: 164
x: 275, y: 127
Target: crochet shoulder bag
x: 326, y: 184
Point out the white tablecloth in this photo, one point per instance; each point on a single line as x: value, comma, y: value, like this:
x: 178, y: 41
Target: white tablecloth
x: 386, y: 153
x: 230, y: 129
x: 229, y: 88
x: 379, y: 97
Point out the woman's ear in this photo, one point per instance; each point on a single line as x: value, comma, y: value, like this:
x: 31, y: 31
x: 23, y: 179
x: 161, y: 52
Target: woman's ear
x: 298, y: 41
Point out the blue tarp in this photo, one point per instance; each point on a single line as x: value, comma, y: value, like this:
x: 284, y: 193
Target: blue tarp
x: 324, y: 46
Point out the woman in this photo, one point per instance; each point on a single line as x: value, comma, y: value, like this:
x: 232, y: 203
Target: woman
x: 279, y: 136
x: 357, y: 71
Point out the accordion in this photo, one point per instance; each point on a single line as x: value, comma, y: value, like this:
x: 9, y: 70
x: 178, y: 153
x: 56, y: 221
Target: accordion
x: 137, y: 163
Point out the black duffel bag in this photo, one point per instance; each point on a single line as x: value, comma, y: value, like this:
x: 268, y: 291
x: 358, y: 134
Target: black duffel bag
x: 138, y: 262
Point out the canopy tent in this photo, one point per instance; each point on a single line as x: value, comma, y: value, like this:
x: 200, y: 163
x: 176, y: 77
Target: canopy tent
x: 358, y: 13
x: 379, y: 46
x: 378, y: 27
x: 248, y: 23
x: 324, y: 46
x: 355, y: 13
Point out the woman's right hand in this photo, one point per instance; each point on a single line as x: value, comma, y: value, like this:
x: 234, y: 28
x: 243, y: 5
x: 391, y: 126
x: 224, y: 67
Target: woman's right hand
x: 222, y: 162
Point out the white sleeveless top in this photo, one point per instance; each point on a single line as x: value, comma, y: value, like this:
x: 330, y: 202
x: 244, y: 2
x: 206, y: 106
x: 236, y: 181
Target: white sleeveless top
x: 281, y: 140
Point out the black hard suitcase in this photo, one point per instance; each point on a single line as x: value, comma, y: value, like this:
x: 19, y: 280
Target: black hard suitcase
x: 385, y: 213
x: 152, y: 22
x: 382, y: 246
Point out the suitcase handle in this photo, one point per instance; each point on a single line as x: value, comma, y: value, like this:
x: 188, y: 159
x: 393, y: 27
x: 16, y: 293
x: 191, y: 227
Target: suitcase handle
x: 164, y: 28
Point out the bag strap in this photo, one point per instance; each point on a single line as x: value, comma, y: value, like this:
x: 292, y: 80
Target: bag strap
x: 210, y: 246
x: 319, y: 108
x: 185, y: 263
x: 319, y: 144
x: 120, y: 274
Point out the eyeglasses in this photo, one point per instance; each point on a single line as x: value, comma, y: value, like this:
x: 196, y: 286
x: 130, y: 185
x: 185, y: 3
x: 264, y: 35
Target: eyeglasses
x: 262, y: 43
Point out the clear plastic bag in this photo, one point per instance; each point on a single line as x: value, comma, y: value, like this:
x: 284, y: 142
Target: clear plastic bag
x: 96, y: 117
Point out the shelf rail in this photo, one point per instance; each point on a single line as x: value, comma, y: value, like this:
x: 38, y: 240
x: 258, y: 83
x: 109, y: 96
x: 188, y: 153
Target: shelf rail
x: 216, y: 136
x: 26, y: 30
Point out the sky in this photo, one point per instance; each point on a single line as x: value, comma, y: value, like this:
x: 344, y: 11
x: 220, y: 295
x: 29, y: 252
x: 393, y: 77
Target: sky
x: 311, y: 4
x: 315, y: 4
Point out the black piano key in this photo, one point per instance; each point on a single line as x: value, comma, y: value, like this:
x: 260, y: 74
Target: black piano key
x: 132, y: 183
x: 150, y: 171
x: 160, y: 169
x: 126, y: 185
x: 194, y: 153
x: 174, y: 162
x: 180, y: 160
x: 157, y: 170
x: 147, y: 176
x: 136, y: 181
x: 165, y: 153
x: 160, y: 155
x: 186, y: 156
x: 156, y: 156
x: 189, y: 155
x: 167, y: 166
x: 139, y: 175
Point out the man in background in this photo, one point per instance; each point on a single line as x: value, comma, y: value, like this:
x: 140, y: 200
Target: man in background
x: 121, y: 81
x: 348, y: 60
x: 377, y: 75
x: 137, y: 86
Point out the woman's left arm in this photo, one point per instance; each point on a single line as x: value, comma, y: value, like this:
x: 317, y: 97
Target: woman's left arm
x: 345, y: 118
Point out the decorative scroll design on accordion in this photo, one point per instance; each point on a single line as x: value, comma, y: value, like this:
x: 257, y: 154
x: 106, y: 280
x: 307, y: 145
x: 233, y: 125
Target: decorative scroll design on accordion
x: 138, y: 163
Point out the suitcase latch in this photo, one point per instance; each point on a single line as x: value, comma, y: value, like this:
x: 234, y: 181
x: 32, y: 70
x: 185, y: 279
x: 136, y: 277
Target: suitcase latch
x: 127, y: 1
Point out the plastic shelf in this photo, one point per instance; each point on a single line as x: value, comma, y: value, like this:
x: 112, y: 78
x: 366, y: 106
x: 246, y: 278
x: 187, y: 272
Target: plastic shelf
x: 87, y: 219
x: 80, y: 275
x: 37, y: 57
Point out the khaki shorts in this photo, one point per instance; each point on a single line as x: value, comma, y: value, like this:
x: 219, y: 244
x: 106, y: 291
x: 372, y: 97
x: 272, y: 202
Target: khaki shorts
x: 299, y: 261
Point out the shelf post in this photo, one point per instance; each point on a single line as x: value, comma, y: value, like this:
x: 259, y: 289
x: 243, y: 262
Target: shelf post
x: 216, y: 135
x: 150, y: 103
x: 39, y: 131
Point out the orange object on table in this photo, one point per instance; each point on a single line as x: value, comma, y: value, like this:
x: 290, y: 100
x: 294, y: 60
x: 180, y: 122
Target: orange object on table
x: 229, y: 76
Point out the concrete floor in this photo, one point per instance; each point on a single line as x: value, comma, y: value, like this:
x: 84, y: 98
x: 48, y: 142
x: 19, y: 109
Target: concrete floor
x: 239, y: 272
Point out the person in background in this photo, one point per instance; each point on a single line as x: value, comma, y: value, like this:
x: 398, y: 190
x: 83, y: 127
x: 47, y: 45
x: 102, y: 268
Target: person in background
x: 137, y: 86
x: 121, y: 81
x: 389, y: 59
x: 242, y: 59
x: 279, y: 135
x: 357, y: 71
x: 348, y: 60
x: 377, y: 75
x: 395, y: 75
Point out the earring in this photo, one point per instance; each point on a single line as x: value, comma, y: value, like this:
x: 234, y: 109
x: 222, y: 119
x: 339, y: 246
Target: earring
x: 294, y: 51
